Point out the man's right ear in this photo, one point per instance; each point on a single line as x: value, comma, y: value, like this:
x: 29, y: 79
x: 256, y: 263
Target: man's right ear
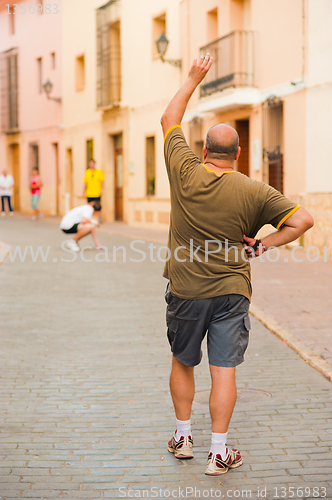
x: 238, y: 153
x: 204, y: 152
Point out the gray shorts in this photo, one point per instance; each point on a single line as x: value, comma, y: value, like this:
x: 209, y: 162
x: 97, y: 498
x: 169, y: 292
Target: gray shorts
x: 225, y: 318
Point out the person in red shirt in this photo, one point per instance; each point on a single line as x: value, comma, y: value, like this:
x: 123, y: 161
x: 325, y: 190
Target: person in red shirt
x: 35, y: 186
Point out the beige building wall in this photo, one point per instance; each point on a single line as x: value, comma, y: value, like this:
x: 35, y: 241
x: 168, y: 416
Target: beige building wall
x: 81, y: 119
x: 291, y: 49
x: 294, y: 144
x: 318, y: 111
x: 147, y: 86
x: 279, y: 41
x: 319, y: 97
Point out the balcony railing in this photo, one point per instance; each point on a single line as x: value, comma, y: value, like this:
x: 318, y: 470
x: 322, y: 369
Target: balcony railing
x: 233, y: 65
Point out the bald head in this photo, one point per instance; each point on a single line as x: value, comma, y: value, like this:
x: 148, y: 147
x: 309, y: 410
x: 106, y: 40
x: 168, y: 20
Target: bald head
x: 222, y: 142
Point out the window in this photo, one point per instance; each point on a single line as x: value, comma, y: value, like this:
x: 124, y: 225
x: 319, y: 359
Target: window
x: 89, y: 151
x: 40, y: 75
x: 150, y: 166
x: 212, y: 26
x: 53, y: 60
x: 158, y: 29
x: 80, y: 73
x: 9, y: 90
x: 109, y: 78
x: 115, y: 62
x: 236, y: 14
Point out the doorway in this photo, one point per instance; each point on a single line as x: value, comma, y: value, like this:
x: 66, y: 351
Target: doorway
x: 242, y: 127
x: 272, y: 142
x: 118, y: 177
x: 57, y: 177
x: 69, y: 180
x: 15, y: 160
x: 276, y: 172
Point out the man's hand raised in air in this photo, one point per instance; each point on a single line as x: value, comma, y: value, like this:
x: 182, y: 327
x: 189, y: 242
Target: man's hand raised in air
x: 177, y: 107
x: 199, y: 69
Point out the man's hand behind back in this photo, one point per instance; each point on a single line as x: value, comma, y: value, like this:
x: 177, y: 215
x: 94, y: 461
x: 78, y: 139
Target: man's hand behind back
x: 296, y: 225
x: 253, y: 247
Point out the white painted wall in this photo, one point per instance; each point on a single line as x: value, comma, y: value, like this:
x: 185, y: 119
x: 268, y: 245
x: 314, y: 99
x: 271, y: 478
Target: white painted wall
x: 319, y: 98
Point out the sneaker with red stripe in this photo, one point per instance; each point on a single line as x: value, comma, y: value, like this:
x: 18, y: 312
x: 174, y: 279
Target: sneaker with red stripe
x: 216, y: 465
x: 183, y: 448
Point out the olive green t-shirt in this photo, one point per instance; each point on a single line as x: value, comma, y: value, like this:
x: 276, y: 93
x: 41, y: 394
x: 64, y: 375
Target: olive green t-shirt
x: 211, y: 213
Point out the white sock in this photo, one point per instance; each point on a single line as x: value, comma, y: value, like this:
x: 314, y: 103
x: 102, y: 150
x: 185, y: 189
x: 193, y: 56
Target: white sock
x: 218, y: 444
x: 183, y: 428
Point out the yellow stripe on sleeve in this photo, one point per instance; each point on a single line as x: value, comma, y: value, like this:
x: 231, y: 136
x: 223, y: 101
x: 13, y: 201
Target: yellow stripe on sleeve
x: 288, y: 215
x: 170, y: 129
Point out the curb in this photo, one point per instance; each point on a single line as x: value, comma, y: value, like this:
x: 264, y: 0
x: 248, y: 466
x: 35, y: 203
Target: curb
x: 308, y: 355
x: 2, y: 247
x: 312, y: 358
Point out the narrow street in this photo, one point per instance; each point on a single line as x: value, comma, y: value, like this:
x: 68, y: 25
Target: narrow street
x: 85, y: 406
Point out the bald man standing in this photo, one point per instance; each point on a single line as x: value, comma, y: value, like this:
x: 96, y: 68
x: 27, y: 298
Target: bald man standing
x: 215, y: 215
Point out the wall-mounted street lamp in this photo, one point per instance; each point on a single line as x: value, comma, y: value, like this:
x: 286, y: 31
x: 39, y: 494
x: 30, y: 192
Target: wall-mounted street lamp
x: 162, y: 44
x: 48, y: 88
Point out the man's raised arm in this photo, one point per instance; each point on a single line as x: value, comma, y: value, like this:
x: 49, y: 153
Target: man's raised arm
x: 175, y: 110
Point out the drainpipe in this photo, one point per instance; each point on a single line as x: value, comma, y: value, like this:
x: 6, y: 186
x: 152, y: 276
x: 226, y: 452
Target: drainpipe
x: 303, y: 39
x: 187, y: 7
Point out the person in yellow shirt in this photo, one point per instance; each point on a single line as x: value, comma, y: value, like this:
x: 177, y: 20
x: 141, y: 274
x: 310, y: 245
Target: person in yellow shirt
x: 93, y: 184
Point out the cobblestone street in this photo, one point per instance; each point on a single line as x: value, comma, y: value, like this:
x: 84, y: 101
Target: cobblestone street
x: 85, y: 406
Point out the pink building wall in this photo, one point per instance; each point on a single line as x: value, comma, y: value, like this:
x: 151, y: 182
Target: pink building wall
x: 39, y: 119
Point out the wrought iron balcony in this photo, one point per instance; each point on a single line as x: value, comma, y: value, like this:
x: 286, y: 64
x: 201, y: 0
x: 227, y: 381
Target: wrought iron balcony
x: 233, y: 65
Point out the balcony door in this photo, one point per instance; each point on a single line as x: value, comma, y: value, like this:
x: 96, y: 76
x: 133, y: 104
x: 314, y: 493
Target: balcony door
x: 118, y: 177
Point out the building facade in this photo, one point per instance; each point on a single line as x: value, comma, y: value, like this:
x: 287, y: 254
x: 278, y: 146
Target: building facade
x: 271, y: 79
x: 273, y: 83
x: 30, y: 55
x: 113, y: 113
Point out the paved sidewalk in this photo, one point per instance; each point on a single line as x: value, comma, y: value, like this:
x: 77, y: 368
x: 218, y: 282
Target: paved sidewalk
x: 295, y: 294
x: 290, y: 295
x: 298, y: 295
x: 85, y: 407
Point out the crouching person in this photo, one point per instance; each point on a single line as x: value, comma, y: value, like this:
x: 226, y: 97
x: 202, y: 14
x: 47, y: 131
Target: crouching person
x: 80, y: 223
